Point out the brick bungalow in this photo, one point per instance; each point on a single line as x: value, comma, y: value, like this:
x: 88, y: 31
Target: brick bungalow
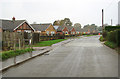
x: 78, y: 30
x: 16, y: 26
x: 71, y: 30
x: 62, y: 30
x: 44, y: 29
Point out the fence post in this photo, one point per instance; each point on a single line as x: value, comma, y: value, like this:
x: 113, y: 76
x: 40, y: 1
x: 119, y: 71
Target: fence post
x: 19, y: 45
x: 15, y: 60
x: 14, y: 42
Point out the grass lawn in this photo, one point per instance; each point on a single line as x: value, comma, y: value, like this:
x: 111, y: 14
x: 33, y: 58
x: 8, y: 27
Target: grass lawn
x: 12, y: 53
x: 89, y: 35
x: 47, y: 43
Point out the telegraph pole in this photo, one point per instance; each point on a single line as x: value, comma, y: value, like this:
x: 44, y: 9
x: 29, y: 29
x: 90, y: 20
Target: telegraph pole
x: 102, y: 21
x: 111, y: 22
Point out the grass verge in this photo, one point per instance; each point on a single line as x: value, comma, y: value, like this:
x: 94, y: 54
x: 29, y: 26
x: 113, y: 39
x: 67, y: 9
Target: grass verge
x: 12, y: 53
x: 89, y: 35
x: 47, y: 43
x: 111, y: 44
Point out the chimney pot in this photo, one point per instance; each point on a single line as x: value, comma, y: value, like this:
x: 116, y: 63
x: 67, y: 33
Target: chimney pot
x: 13, y: 18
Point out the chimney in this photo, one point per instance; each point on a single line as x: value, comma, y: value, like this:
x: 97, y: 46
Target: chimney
x: 13, y: 18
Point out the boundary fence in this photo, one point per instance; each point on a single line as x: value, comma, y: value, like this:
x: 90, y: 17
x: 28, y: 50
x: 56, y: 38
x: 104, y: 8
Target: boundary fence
x: 21, y: 40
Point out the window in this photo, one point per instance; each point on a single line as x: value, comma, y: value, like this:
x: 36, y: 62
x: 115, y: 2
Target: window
x: 66, y: 32
x: 73, y: 32
x: 52, y: 32
x: 18, y: 30
x: 28, y: 31
x: 47, y: 32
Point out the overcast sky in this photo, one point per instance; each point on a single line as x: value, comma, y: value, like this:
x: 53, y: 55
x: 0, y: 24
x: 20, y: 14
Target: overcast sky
x: 47, y: 11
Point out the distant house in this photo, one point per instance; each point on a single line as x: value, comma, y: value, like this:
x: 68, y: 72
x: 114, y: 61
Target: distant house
x: 58, y: 30
x: 72, y: 30
x: 85, y: 31
x: 44, y: 29
x: 78, y: 30
x: 16, y: 26
x: 90, y: 31
x: 62, y: 30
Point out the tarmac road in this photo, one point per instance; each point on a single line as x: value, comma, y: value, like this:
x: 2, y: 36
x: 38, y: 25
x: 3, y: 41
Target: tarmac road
x: 83, y: 57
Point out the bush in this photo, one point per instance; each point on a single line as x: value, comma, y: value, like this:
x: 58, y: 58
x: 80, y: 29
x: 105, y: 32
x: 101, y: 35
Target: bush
x: 101, y: 39
x: 111, y: 28
x: 8, y: 54
x: 111, y: 36
x: 104, y: 34
x: 110, y: 44
x: 118, y: 37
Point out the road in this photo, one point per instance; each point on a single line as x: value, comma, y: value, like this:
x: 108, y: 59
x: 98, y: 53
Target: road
x: 83, y: 57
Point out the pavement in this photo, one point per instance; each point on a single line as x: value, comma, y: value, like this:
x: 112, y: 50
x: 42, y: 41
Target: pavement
x: 83, y: 57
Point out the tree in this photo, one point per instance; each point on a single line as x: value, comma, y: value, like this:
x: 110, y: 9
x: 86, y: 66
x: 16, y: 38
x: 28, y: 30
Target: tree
x: 56, y: 22
x: 77, y: 25
x: 86, y: 26
x: 99, y: 28
x: 66, y: 22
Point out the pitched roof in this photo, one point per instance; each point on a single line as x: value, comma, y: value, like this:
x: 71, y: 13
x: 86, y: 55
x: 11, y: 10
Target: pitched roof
x: 78, y: 29
x: 10, y: 25
x: 40, y: 27
x: 60, y: 28
x: 69, y: 28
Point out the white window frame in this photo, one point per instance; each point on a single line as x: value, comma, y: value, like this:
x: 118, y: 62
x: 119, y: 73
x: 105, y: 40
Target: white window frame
x: 47, y: 32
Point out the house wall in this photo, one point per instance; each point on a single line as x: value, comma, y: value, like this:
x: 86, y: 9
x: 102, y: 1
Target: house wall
x: 24, y: 27
x: 65, y: 30
x: 73, y: 30
x: 61, y: 33
x: 50, y: 29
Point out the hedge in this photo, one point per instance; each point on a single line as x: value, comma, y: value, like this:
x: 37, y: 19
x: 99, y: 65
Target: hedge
x: 111, y: 28
x: 111, y: 36
x: 114, y: 36
x: 118, y: 38
x: 111, y: 44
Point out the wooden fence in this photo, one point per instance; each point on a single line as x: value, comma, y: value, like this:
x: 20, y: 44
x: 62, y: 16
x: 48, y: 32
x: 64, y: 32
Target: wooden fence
x: 14, y: 40
x: 20, y: 40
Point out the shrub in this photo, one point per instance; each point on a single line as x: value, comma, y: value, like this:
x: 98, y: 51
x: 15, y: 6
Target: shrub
x: 104, y: 34
x: 111, y: 28
x: 101, y: 39
x: 110, y: 44
x: 118, y: 37
x: 111, y: 36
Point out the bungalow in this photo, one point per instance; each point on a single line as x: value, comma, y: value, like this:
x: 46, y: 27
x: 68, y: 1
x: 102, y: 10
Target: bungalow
x: 72, y: 30
x: 44, y: 29
x: 85, y: 31
x: 16, y: 25
x: 78, y: 30
x: 61, y: 30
